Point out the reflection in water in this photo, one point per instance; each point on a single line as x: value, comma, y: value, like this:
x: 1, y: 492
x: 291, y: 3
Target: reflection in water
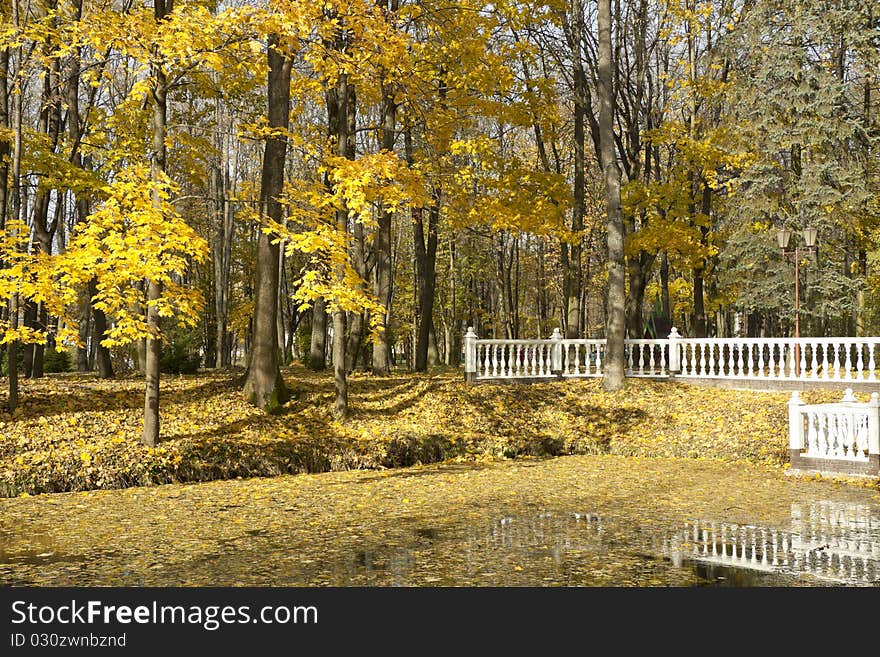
x: 826, y: 544
x: 559, y: 531
x: 832, y: 542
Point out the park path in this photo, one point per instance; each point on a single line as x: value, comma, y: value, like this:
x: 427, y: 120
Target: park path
x: 576, y: 520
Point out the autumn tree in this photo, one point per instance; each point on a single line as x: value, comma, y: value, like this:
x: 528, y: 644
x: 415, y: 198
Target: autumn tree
x: 615, y: 333
x: 264, y: 385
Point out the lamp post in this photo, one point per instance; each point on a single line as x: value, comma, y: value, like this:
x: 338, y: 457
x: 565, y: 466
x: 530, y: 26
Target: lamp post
x: 783, y: 237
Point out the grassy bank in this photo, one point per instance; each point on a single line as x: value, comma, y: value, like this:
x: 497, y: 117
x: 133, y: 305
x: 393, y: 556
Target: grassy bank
x: 76, y: 432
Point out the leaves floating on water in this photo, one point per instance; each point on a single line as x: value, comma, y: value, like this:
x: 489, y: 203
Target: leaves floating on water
x: 579, y: 520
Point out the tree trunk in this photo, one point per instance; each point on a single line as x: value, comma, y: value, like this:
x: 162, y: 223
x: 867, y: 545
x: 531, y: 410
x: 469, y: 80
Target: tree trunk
x: 12, y: 351
x: 665, y: 306
x: 318, y: 347
x: 7, y: 149
x: 639, y: 269
x: 382, y: 241
x: 571, y: 251
x: 426, y: 269
x: 105, y: 363
x: 264, y: 387
x: 342, y: 102
x: 158, y: 162
x: 223, y: 233
x: 700, y: 325
x: 613, y: 378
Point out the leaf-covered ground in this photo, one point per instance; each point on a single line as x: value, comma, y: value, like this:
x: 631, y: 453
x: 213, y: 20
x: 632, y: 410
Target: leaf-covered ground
x: 75, y: 432
x: 578, y: 520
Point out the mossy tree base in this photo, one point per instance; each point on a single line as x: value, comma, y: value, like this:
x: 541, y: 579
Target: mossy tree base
x: 271, y: 398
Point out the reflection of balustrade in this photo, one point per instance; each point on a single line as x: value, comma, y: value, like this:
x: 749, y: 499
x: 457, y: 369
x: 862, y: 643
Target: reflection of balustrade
x: 832, y: 542
x: 560, y: 531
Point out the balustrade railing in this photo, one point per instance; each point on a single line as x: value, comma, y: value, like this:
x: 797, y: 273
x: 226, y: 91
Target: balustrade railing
x: 802, y: 359
x: 772, y: 359
x: 843, y: 436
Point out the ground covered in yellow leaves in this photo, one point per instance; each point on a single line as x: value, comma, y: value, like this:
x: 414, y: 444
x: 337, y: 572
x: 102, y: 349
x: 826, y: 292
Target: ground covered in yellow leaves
x: 75, y: 432
x: 572, y: 521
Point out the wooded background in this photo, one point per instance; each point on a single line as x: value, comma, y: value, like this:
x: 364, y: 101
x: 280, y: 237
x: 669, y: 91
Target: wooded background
x: 190, y: 184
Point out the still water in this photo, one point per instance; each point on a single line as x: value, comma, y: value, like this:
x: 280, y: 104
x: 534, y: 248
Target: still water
x: 826, y: 544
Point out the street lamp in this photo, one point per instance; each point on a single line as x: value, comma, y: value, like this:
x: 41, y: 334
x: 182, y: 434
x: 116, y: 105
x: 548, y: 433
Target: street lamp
x: 783, y: 237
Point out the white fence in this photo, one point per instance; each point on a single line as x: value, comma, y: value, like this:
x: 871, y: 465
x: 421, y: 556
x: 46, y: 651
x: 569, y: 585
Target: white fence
x: 844, y: 436
x: 770, y: 359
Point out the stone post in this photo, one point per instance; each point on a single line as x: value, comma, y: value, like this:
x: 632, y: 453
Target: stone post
x: 556, y: 353
x: 796, y: 442
x: 674, y: 352
x: 470, y: 356
x: 874, y: 426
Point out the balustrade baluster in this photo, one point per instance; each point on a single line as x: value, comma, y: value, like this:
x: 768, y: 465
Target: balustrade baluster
x: 748, y: 346
x: 826, y: 433
x: 599, y: 359
x: 703, y: 359
x: 629, y: 360
x: 760, y: 347
x: 836, y: 362
x: 486, y: 364
x: 812, y: 434
x: 494, y: 360
x: 651, y: 357
x: 711, y: 347
x: 847, y: 367
x: 813, y: 366
x: 795, y: 363
x: 862, y: 438
x: 577, y: 360
x: 860, y: 363
x: 663, y: 371
x: 872, y: 375
x: 835, y: 446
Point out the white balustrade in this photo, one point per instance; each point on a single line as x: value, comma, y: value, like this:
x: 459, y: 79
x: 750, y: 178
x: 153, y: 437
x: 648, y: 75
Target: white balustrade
x: 772, y: 359
x: 847, y: 430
